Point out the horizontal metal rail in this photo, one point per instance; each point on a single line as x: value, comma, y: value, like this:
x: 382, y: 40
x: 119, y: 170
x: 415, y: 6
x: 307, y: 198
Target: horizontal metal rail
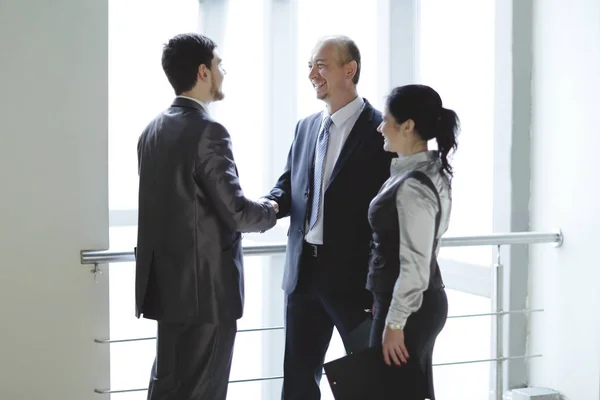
x: 495, y: 239
x: 276, y: 328
x: 109, y: 341
x: 271, y: 378
x: 107, y: 256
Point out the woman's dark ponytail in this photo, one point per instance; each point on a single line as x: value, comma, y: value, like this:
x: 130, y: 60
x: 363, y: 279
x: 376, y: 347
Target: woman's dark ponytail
x: 423, y: 105
x: 445, y: 135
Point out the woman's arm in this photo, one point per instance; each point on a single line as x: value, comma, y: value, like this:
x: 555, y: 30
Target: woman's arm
x: 417, y: 209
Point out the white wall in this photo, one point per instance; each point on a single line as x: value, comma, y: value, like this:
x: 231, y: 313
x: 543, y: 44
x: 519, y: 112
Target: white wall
x: 53, y: 197
x: 565, y: 191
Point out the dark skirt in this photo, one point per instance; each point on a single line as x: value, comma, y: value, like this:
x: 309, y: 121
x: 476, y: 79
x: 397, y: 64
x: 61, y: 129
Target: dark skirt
x: 420, y: 333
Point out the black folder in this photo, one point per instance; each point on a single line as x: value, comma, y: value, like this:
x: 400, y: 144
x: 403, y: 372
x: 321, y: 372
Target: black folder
x: 359, y: 338
x: 364, y: 375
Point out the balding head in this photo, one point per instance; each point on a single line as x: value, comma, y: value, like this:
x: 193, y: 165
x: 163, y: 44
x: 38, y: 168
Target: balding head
x: 346, y: 51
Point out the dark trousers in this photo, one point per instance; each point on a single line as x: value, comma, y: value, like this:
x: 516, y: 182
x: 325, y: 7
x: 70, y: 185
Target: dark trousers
x: 420, y: 333
x: 193, y: 361
x: 311, y: 313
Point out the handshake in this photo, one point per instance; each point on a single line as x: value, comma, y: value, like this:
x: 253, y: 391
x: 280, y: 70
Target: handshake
x: 275, y: 206
x: 271, y: 202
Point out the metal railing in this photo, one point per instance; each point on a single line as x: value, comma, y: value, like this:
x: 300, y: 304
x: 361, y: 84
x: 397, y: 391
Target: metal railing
x: 496, y: 239
x: 89, y: 257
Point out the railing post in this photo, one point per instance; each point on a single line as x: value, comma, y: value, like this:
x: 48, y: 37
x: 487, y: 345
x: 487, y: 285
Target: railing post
x: 499, y: 332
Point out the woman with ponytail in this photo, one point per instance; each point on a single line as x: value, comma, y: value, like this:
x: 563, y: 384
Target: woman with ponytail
x: 408, y: 217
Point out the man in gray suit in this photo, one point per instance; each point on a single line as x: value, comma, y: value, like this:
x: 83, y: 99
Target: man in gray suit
x: 192, y: 210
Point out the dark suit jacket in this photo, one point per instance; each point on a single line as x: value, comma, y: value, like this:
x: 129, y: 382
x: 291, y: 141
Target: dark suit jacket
x: 191, y: 211
x: 361, y: 169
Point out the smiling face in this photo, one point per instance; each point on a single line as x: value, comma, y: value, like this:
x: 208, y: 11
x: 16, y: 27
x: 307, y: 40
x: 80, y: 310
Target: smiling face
x: 330, y: 77
x: 397, y: 138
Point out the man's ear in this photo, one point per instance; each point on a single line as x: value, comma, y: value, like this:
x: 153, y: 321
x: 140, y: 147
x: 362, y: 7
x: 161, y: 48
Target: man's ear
x: 351, y: 69
x: 203, y: 73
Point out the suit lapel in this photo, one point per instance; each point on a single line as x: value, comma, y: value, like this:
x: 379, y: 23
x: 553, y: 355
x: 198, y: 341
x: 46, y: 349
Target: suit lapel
x: 357, y: 134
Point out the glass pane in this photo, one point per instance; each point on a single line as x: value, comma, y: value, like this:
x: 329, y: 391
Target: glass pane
x: 255, y: 390
x: 130, y: 362
x: 456, y: 58
x: 463, y: 339
x: 138, y: 89
x: 360, y: 23
x: 242, y: 110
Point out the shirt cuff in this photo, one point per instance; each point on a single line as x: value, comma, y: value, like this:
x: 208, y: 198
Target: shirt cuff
x: 396, y: 316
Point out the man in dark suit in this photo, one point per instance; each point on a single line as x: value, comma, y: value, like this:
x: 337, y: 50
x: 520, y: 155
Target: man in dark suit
x: 189, y: 268
x: 335, y: 167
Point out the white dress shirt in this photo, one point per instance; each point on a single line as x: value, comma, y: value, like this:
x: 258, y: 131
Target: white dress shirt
x: 343, y: 121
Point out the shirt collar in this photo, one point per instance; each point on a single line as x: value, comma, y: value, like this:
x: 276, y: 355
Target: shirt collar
x: 344, y: 113
x: 400, y: 163
x: 204, y: 105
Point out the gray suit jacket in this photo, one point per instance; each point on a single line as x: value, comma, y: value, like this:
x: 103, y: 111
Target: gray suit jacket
x: 189, y: 263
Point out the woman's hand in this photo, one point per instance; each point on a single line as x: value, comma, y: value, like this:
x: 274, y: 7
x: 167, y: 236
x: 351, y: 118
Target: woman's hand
x: 393, y: 347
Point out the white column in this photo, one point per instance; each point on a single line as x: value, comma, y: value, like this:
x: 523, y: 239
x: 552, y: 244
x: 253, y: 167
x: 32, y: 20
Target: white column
x: 402, y: 50
x: 512, y: 121
x: 564, y: 193
x: 281, y: 63
x: 54, y: 198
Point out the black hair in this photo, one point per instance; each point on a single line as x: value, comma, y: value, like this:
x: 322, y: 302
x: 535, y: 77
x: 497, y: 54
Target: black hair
x: 423, y: 105
x: 183, y: 55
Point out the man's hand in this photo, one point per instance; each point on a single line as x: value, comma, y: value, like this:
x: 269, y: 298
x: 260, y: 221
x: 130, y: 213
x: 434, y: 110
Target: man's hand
x: 271, y: 202
x: 275, y: 206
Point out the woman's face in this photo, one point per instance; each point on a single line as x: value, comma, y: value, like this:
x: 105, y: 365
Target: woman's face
x: 392, y: 133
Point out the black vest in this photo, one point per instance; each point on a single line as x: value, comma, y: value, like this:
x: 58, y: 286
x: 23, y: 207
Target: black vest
x: 384, y: 262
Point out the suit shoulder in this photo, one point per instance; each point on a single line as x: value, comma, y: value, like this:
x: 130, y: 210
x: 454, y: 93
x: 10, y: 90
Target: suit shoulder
x: 376, y: 115
x: 190, y: 121
x: 192, y: 114
x: 215, y: 128
x: 305, y: 122
x: 153, y: 126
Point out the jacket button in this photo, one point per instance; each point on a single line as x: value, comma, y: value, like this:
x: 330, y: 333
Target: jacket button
x: 306, y: 194
x: 300, y: 231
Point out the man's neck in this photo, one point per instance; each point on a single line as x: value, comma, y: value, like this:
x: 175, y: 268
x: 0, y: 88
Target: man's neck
x: 334, y: 105
x: 203, y: 99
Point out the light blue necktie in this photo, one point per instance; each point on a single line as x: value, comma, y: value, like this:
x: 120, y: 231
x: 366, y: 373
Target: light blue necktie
x: 320, y: 153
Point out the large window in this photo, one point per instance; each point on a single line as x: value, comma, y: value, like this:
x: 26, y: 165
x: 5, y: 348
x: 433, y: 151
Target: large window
x: 359, y: 23
x: 455, y: 56
x: 265, y: 45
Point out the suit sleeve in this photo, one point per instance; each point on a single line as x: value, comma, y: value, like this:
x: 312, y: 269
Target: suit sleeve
x: 282, y: 191
x: 215, y: 172
x: 139, y: 153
